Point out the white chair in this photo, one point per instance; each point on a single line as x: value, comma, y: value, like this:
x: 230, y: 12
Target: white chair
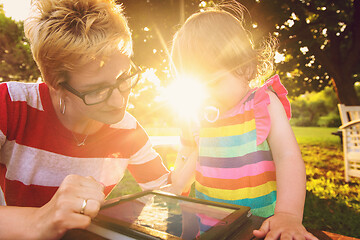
x: 350, y: 119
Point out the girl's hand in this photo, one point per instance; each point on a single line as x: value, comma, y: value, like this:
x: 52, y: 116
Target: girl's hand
x: 63, y: 211
x: 283, y: 226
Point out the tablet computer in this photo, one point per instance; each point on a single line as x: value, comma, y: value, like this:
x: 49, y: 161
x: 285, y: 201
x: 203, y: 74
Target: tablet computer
x: 161, y: 215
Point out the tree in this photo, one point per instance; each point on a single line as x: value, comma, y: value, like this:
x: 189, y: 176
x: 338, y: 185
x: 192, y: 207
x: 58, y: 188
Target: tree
x: 320, y: 40
x: 316, y: 109
x: 16, y: 62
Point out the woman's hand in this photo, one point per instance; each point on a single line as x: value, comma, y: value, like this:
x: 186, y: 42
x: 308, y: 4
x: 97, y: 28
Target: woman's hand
x: 75, y: 203
x: 283, y: 226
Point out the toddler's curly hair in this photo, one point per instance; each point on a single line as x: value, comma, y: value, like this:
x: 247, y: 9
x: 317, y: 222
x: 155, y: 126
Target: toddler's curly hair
x: 215, y: 38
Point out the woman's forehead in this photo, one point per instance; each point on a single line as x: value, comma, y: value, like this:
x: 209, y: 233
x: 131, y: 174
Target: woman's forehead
x: 102, y: 69
x: 117, y: 59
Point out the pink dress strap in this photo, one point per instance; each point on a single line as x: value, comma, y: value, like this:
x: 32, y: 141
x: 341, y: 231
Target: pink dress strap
x: 261, y: 102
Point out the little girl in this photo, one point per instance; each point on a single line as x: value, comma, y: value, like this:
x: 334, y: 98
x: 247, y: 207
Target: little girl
x: 243, y: 148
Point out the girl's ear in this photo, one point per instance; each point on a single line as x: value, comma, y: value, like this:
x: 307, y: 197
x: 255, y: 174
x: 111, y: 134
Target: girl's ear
x: 250, y: 74
x: 245, y: 73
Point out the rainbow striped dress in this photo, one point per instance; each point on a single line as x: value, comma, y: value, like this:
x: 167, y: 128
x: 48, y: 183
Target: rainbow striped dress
x: 235, y: 163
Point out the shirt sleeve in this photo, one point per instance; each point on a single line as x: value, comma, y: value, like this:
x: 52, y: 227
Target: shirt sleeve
x: 261, y: 102
x: 4, y: 99
x: 147, y: 167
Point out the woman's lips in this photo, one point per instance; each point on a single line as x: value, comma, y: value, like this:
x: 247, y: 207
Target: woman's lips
x: 114, y: 111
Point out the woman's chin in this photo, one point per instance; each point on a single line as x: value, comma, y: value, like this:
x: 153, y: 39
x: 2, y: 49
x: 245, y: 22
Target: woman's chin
x: 111, y: 117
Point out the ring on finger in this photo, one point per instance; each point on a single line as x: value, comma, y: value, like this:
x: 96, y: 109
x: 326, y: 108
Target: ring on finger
x: 84, y: 203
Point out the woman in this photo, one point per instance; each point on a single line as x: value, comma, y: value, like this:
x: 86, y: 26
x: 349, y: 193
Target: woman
x: 66, y: 142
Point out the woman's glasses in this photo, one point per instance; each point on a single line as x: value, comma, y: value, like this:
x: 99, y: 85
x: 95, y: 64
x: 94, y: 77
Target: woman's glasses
x: 123, y: 84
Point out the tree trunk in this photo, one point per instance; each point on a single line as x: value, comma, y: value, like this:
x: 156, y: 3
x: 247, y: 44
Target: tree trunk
x: 345, y: 91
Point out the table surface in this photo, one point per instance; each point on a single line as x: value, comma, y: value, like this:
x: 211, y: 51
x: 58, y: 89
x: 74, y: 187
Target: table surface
x: 246, y: 233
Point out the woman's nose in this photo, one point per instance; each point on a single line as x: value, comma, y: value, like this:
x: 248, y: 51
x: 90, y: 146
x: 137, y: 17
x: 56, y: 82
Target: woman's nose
x: 117, y: 99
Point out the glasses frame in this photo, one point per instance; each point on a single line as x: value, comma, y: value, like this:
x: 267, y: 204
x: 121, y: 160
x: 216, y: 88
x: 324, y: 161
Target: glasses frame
x: 138, y: 71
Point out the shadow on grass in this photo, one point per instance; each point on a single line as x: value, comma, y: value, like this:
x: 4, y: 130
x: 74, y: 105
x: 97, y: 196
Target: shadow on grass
x: 331, y: 216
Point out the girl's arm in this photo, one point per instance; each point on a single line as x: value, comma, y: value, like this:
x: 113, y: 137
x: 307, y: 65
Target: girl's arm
x: 290, y: 178
x: 290, y: 167
x: 184, y: 170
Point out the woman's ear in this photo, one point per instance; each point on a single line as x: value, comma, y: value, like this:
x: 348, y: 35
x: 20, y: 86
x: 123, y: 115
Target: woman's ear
x: 56, y: 90
x: 61, y: 77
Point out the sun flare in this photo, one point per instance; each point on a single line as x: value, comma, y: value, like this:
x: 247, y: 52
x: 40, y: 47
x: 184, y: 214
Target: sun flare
x: 17, y: 10
x: 185, y: 96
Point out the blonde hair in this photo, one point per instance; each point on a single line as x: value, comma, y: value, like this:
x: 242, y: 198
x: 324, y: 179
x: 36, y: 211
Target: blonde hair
x: 66, y: 34
x: 215, y: 39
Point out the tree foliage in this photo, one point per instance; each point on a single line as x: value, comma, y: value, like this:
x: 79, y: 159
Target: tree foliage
x: 320, y: 40
x: 316, y: 109
x: 16, y: 62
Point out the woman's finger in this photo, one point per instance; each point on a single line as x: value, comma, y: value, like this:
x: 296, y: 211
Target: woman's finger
x: 92, y: 183
x: 88, y: 182
x: 76, y: 220
x: 89, y: 207
x: 90, y: 193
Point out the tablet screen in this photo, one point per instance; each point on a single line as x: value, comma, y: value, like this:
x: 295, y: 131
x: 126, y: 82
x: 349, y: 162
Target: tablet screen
x: 173, y: 216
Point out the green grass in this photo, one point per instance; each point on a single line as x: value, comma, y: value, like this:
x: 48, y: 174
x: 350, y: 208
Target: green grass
x: 331, y: 204
x: 316, y: 135
x: 308, y: 135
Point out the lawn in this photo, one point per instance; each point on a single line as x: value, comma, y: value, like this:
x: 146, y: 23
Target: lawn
x: 331, y: 204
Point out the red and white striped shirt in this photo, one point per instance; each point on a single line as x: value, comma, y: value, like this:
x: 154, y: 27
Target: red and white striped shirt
x: 37, y: 152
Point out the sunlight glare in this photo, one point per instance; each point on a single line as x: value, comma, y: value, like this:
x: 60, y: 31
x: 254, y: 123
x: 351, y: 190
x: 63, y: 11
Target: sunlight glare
x: 304, y: 50
x: 202, y: 4
x: 17, y: 10
x: 279, y: 57
x: 185, y: 96
x: 290, y: 22
x: 150, y: 75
